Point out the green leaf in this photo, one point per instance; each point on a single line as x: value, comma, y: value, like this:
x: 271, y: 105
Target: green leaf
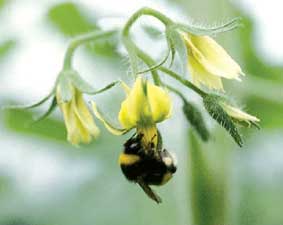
x: 20, y: 121
x: 217, y: 113
x: 195, y: 118
x: 3, y: 3
x: 70, y: 20
x: 6, y: 47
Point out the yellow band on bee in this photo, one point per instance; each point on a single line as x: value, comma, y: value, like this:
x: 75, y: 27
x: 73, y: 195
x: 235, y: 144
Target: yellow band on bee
x: 128, y: 159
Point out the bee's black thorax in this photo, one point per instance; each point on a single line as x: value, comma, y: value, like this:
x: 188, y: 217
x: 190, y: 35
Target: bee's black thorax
x: 137, y: 163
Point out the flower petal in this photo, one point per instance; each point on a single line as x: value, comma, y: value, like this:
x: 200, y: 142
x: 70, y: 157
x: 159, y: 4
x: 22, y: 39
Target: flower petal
x: 239, y: 115
x: 213, y: 57
x: 85, y: 117
x: 160, y: 103
x: 200, y: 76
x: 135, y: 107
x: 145, y: 104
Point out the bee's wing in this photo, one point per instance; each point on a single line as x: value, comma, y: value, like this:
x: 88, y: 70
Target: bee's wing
x: 150, y: 193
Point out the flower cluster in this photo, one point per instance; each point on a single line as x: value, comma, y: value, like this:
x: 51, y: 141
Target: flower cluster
x: 147, y: 103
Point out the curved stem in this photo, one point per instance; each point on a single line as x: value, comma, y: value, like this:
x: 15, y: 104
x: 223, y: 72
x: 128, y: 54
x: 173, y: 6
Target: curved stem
x: 76, y: 42
x: 145, y: 11
x: 130, y: 45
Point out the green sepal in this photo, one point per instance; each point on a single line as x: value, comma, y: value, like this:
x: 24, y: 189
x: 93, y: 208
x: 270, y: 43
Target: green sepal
x: 256, y: 125
x: 211, y: 104
x: 194, y: 117
x: 50, y: 109
x: 33, y: 105
x: 245, y: 124
x: 201, y: 30
x: 144, y: 87
x: 178, y: 45
x: 106, y: 88
x: 65, y: 87
x: 85, y: 87
x: 111, y: 128
x: 156, y: 66
x: 223, y: 100
x: 79, y: 82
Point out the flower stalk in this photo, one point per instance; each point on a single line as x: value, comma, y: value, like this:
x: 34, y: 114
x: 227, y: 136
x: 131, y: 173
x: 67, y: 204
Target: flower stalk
x: 83, y: 39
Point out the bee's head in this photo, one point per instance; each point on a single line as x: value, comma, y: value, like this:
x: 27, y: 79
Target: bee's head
x: 133, y: 145
x: 169, y: 161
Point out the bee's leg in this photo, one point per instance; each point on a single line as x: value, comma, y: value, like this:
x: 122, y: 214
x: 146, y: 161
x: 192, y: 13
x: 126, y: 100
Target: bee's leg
x: 150, y: 193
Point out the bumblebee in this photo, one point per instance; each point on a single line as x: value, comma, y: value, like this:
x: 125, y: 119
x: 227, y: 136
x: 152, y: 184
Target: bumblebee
x: 146, y: 166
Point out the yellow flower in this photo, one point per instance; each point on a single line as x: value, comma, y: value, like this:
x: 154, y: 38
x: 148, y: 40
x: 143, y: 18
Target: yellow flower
x: 208, y: 62
x: 239, y: 116
x: 78, y: 119
x: 145, y: 105
x: 141, y: 106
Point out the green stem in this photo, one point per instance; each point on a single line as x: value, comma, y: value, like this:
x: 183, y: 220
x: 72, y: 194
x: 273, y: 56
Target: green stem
x: 149, y: 61
x: 145, y: 11
x: 177, y: 92
x: 130, y: 45
x: 183, y: 81
x: 76, y: 42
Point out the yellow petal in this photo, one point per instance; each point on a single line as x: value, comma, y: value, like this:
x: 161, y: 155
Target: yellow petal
x: 85, y: 116
x: 139, y: 108
x: 202, y: 77
x: 239, y: 115
x: 126, y: 88
x: 78, y: 120
x: 160, y: 103
x: 213, y: 57
x: 135, y: 107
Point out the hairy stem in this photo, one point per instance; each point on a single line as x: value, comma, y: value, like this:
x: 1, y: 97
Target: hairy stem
x: 80, y: 40
x: 149, y: 61
x: 145, y: 11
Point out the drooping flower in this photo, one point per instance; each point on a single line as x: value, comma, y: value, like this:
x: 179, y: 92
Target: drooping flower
x: 208, y: 62
x: 145, y: 105
x: 78, y: 119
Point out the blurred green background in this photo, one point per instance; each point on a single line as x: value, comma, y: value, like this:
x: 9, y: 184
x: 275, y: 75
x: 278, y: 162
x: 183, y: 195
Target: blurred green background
x: 44, y: 180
